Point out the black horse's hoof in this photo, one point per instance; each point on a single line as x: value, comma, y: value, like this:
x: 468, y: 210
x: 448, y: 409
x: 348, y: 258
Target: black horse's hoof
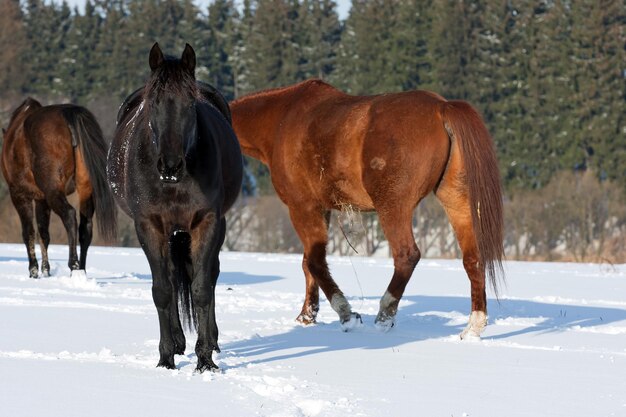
x: 207, y: 366
x: 166, y: 363
x: 34, y: 273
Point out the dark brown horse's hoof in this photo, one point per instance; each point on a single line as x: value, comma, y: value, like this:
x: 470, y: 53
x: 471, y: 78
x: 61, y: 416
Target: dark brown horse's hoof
x: 34, y: 272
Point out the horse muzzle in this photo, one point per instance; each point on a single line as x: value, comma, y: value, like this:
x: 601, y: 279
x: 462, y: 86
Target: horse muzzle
x: 170, y: 169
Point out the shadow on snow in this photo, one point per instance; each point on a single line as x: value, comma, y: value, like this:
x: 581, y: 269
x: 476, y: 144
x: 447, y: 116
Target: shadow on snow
x: 421, y: 318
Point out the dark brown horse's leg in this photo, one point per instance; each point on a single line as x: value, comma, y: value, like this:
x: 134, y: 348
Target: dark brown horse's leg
x: 154, y: 245
x: 66, y: 212
x: 42, y: 212
x: 24, y: 209
x: 397, y: 227
x: 85, y: 229
x: 204, y: 255
x: 312, y: 230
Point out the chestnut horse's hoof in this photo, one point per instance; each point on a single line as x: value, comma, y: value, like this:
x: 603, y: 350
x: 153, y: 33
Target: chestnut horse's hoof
x: 476, y: 325
x: 384, y: 324
x: 305, y: 319
x: 352, y: 322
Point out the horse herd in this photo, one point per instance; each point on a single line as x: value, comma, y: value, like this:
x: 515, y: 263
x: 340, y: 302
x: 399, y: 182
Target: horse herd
x: 175, y: 166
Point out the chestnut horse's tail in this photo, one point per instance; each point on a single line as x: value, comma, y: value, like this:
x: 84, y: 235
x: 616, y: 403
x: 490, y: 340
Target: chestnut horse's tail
x: 86, y: 134
x: 482, y: 177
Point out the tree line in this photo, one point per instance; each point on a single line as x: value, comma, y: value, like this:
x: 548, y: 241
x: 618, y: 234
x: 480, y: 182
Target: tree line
x: 549, y: 76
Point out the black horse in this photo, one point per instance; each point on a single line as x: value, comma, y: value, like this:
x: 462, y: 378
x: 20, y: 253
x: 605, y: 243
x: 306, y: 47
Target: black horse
x: 175, y: 167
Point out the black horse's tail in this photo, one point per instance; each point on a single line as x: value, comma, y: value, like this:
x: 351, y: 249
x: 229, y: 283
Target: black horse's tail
x: 180, y: 249
x: 87, y: 135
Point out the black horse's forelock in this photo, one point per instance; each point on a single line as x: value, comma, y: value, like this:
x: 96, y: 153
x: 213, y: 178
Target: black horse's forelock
x: 172, y: 78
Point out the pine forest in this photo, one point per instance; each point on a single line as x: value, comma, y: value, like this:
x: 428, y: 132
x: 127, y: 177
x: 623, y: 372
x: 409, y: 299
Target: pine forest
x: 548, y: 76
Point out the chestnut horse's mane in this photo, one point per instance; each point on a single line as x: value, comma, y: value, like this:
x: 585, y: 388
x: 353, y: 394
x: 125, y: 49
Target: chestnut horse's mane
x: 280, y: 90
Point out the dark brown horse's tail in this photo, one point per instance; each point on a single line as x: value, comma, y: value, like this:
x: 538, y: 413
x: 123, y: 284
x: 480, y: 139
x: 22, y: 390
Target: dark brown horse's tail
x: 466, y: 127
x: 88, y: 136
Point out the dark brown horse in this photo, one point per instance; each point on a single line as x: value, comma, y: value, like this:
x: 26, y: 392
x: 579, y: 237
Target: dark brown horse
x: 50, y: 152
x: 328, y: 150
x: 175, y: 167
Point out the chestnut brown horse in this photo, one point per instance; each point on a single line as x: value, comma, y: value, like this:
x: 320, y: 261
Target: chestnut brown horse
x: 328, y: 150
x: 49, y: 152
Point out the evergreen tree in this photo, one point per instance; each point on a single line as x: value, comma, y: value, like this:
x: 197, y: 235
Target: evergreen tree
x: 597, y: 82
x: 83, y: 36
x: 320, y: 37
x: 270, y: 46
x: 13, y: 45
x: 220, y: 43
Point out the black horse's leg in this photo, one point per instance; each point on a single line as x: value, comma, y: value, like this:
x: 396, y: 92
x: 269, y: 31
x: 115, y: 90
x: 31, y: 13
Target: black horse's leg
x: 24, y: 209
x: 85, y: 229
x: 215, y: 272
x: 42, y: 212
x: 155, y: 246
x: 204, y: 254
x: 178, y: 335
x: 66, y: 212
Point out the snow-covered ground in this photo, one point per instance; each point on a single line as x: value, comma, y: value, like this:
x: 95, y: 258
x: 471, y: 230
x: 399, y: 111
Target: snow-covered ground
x: 555, y: 345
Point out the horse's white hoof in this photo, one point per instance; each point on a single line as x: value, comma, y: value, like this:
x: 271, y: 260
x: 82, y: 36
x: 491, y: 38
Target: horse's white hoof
x: 384, y: 326
x: 351, y: 323
x: 475, y: 326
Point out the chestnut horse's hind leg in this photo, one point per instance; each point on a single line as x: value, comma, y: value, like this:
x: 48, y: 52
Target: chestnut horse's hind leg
x: 42, y: 212
x: 311, y: 227
x: 397, y: 225
x: 24, y: 209
x: 457, y: 206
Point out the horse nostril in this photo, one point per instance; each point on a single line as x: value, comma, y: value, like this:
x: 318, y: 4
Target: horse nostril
x: 170, y: 169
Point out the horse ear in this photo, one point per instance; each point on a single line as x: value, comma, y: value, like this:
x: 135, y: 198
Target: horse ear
x: 156, y: 57
x: 189, y: 59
